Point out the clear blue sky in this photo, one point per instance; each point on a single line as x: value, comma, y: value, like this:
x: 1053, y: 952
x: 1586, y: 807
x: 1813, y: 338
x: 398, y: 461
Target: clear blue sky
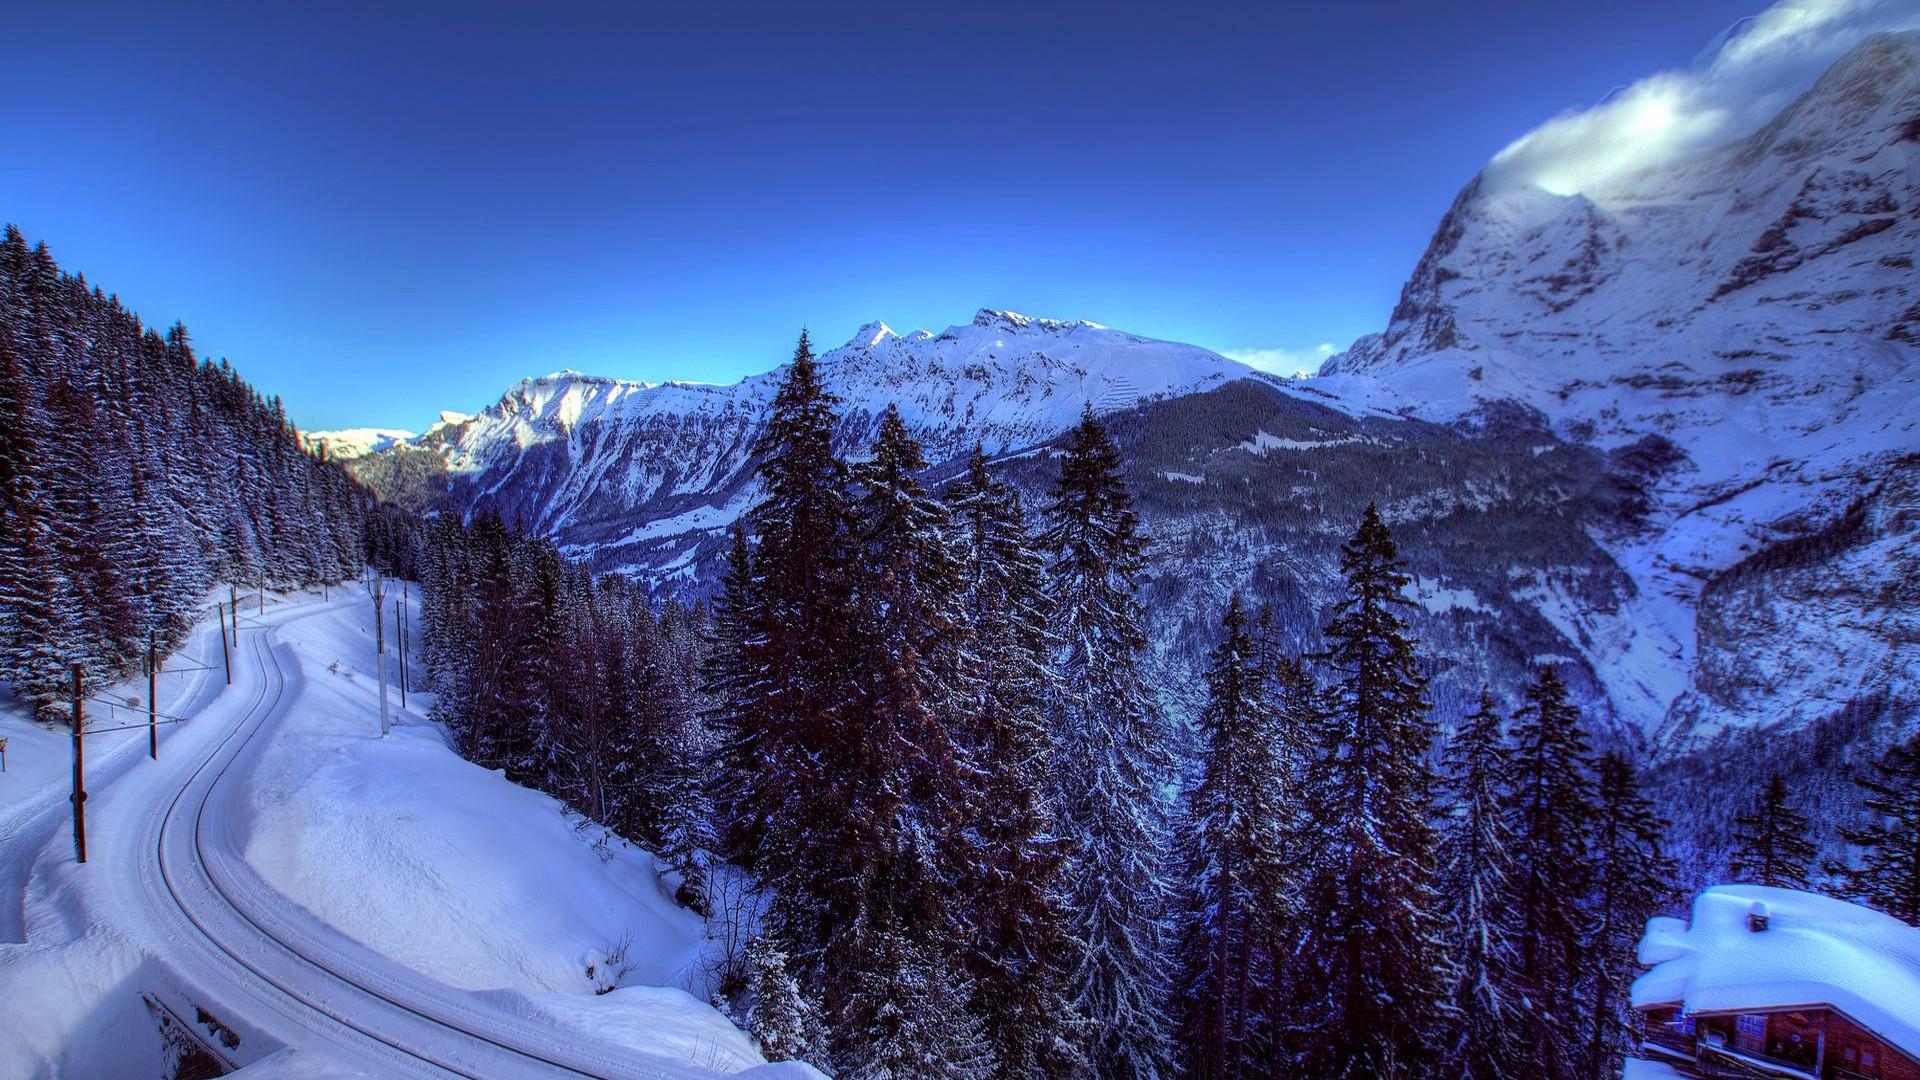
x: 380, y: 213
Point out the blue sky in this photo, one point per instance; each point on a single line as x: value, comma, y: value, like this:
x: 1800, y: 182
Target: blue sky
x: 379, y: 214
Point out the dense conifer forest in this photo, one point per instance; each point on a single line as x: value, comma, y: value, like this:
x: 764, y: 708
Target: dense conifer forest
x: 133, y: 476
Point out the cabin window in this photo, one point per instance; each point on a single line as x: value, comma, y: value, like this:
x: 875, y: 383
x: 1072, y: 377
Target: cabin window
x: 1750, y: 1025
x: 1866, y: 1059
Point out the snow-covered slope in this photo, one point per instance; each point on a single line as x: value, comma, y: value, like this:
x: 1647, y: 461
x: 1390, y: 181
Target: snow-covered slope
x: 645, y: 476
x: 315, y: 899
x: 1750, y: 317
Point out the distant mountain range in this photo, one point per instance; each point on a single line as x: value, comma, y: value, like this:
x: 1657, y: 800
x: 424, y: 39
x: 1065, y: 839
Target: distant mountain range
x: 1667, y: 433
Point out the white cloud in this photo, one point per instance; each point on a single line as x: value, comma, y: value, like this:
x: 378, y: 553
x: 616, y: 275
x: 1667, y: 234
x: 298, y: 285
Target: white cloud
x: 1290, y: 362
x: 1750, y: 73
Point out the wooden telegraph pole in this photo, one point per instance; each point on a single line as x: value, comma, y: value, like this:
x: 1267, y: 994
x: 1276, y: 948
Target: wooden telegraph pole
x: 153, y: 727
x: 233, y: 594
x: 400, y: 634
x: 226, y: 656
x: 79, y: 795
x: 378, y: 587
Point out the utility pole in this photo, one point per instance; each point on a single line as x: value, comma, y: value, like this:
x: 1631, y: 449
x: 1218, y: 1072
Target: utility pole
x: 226, y: 655
x: 153, y: 727
x: 377, y: 586
x: 400, y: 648
x: 79, y: 795
x: 233, y: 594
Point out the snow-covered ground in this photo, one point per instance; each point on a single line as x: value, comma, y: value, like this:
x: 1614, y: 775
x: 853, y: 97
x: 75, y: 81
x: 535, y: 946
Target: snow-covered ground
x: 343, y: 904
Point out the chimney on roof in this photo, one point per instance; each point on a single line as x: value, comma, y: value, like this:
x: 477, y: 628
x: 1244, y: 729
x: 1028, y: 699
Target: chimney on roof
x: 1757, y: 916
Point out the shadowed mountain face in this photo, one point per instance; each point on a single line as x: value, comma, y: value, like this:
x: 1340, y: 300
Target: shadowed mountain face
x: 1662, y: 434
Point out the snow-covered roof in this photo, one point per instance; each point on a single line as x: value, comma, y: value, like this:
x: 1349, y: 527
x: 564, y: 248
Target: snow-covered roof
x: 1815, y: 950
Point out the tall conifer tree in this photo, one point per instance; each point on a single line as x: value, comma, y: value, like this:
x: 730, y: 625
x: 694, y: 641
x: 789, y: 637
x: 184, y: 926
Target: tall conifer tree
x: 1476, y: 878
x: 799, y: 651
x: 1020, y: 940
x: 1110, y: 761
x: 1548, y: 810
x: 1234, y: 876
x: 1773, y: 838
x: 1377, y: 933
x: 1631, y: 876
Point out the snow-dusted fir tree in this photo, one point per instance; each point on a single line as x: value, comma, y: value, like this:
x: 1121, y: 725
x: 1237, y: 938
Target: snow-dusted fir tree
x: 730, y: 686
x: 1234, y: 878
x: 1110, y: 761
x: 1376, y: 929
x: 1299, y: 721
x: 1632, y: 877
x: 1884, y: 869
x: 1476, y: 882
x: 1774, y: 841
x: 799, y: 653
x: 1548, y: 809
x: 911, y: 1021
x: 905, y: 782
x: 674, y: 742
x: 781, y: 1018
x: 1019, y: 946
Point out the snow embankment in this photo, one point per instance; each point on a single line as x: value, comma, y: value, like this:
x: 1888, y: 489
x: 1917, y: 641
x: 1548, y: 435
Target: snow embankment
x: 449, y: 869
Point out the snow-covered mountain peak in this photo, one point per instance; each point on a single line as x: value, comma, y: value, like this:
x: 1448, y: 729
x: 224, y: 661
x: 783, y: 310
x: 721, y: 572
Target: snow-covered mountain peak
x: 348, y: 443
x: 1012, y: 322
x: 871, y: 335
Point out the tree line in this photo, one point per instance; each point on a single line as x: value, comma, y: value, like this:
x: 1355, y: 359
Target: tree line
x: 133, y: 475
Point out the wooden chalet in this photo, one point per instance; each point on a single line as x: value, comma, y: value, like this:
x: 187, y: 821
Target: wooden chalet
x: 1782, y: 984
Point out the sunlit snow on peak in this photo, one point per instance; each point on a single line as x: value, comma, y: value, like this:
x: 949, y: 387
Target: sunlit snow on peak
x: 1749, y: 75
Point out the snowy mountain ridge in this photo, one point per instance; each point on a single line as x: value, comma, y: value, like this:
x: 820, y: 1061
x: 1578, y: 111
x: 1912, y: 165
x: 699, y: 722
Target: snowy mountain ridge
x: 345, y: 444
x: 640, y: 474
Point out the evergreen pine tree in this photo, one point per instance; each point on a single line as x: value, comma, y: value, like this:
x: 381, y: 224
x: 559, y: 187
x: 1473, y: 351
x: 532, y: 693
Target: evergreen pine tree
x: 1019, y: 944
x: 909, y: 1019
x: 1476, y: 879
x: 905, y: 782
x: 1234, y: 872
x: 795, y: 714
x: 1299, y: 721
x: 1773, y: 841
x: 1631, y: 877
x: 1109, y: 761
x: 1547, y: 810
x: 1376, y: 929
x: 782, y: 1020
x: 1884, y: 871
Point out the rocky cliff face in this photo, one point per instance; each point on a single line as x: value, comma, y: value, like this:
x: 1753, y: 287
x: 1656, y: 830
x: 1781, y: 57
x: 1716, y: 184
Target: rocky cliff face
x: 1752, y: 311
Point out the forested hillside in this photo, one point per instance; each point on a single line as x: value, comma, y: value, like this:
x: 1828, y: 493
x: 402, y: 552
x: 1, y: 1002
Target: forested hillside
x: 133, y: 475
